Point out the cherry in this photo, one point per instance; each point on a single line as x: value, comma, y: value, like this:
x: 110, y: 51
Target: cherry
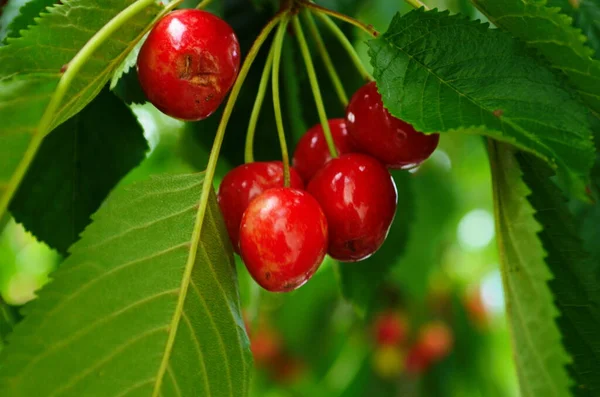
x: 312, y: 150
x: 244, y: 183
x: 188, y: 63
x: 388, y: 362
x: 266, y: 345
x: 436, y: 339
x: 390, y: 329
x: 359, y: 198
x: 283, y: 238
x: 417, y: 360
x: 376, y: 132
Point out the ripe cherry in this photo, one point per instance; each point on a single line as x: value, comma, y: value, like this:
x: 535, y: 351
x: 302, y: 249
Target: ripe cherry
x: 283, y: 238
x: 266, y: 345
x: 244, y: 183
x: 390, y: 328
x: 436, y: 339
x: 188, y: 63
x: 376, y: 132
x: 359, y: 198
x: 417, y: 360
x: 312, y: 150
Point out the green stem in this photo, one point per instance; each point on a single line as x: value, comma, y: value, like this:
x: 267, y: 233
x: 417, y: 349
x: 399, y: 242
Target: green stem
x: 417, y: 4
x: 337, y: 32
x: 207, y: 188
x: 314, y: 85
x: 72, y: 69
x: 260, y: 96
x: 322, y: 10
x: 335, y: 79
x: 202, y: 5
x: 278, y: 45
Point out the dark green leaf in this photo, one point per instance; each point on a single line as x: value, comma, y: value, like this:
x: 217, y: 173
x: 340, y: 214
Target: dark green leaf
x: 27, y: 15
x: 8, y: 320
x: 587, y: 18
x: 75, y: 169
x: 445, y: 73
x: 30, y: 70
x: 551, y: 32
x: 576, y: 277
x: 147, y: 304
x: 361, y: 281
x: 540, y: 356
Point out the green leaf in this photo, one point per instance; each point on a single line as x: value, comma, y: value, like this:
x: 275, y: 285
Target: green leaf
x: 361, y: 281
x: 30, y: 70
x: 576, y: 277
x: 27, y: 14
x: 587, y: 18
x: 146, y: 304
x: 445, y: 73
x: 551, y: 32
x: 539, y: 353
x: 75, y: 169
x: 8, y: 319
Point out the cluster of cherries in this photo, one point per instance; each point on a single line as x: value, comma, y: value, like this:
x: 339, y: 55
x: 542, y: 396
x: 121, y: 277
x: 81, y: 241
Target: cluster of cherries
x: 341, y: 206
x: 396, y: 351
x: 347, y: 207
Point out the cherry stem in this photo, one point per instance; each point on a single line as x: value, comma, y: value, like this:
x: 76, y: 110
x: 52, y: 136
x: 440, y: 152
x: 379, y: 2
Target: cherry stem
x: 235, y: 91
x: 337, y: 32
x: 260, y: 96
x: 417, y: 4
x: 335, y: 78
x: 203, y: 4
x: 322, y: 10
x: 314, y: 84
x: 278, y: 46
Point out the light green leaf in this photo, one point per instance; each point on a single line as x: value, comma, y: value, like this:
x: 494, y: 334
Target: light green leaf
x: 75, y: 169
x: 539, y: 353
x: 551, y: 32
x: 31, y: 105
x: 576, y: 274
x: 445, y: 73
x: 146, y: 305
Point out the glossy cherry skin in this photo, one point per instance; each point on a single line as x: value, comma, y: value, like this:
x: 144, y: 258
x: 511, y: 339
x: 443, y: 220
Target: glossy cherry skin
x: 188, y: 63
x: 244, y: 183
x: 375, y: 131
x: 390, y: 329
x: 359, y: 198
x: 283, y: 238
x: 312, y: 151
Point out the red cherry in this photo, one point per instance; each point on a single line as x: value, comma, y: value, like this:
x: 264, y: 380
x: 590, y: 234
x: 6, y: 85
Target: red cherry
x: 244, y: 183
x: 312, y: 150
x: 283, y: 238
x: 417, y: 360
x: 359, y: 198
x: 188, y: 63
x: 436, y: 339
x: 390, y: 329
x: 266, y: 346
x: 376, y: 132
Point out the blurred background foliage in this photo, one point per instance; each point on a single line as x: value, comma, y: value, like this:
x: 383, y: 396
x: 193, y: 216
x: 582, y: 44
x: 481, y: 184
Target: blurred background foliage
x: 312, y: 341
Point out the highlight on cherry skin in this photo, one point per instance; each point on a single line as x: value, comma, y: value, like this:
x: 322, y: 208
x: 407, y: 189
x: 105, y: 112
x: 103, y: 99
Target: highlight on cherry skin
x: 359, y: 198
x: 283, y: 238
x: 312, y: 151
x: 373, y: 130
x: 188, y: 63
x: 244, y: 183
